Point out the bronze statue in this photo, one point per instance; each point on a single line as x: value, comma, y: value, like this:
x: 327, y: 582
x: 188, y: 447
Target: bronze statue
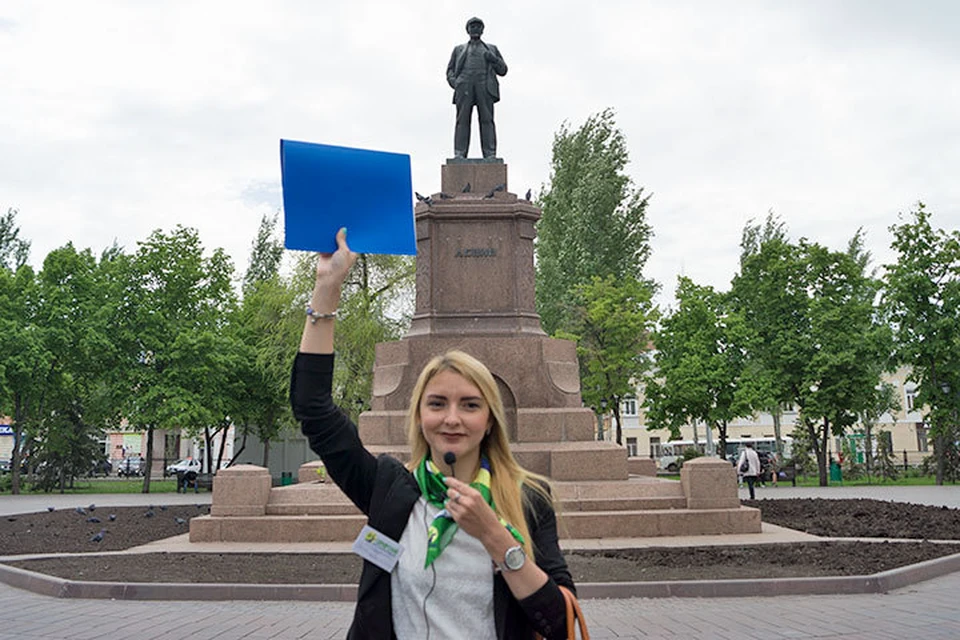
x: 472, y: 74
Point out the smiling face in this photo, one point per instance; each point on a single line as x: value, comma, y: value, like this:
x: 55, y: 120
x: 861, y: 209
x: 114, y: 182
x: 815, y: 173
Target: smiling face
x: 454, y: 416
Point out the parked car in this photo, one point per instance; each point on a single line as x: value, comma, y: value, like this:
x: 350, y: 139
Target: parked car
x: 131, y: 466
x: 4, y: 466
x: 101, y: 467
x: 183, y: 466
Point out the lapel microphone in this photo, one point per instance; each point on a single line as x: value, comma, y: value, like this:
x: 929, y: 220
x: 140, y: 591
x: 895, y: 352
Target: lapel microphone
x: 450, y: 457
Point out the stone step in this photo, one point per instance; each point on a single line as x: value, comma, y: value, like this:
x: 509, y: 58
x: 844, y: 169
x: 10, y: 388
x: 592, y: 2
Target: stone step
x: 303, y: 492
x: 622, y: 504
x: 566, y: 506
x: 655, y: 523
x: 325, y: 498
x: 312, y: 509
x: 635, y: 487
x: 573, y: 525
x: 276, y: 528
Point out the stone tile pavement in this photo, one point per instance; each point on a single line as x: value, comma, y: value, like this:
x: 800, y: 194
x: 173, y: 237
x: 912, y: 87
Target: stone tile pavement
x: 926, y: 609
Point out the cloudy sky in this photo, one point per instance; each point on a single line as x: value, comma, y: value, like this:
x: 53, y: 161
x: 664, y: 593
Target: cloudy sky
x: 118, y: 118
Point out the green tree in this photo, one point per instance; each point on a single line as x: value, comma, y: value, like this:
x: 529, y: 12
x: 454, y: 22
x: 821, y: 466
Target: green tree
x: 848, y: 349
x: 77, y: 401
x: 269, y: 325
x: 26, y: 365
x: 375, y: 307
x: 765, y: 295
x: 922, y: 300
x: 594, y: 219
x: 612, y: 321
x: 179, y: 361
x: 14, y: 251
x: 815, y: 332
x: 699, y: 372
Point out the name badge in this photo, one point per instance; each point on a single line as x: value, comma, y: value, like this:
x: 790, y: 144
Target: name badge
x: 375, y: 547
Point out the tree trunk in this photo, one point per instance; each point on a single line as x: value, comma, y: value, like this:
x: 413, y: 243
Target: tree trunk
x: 824, y: 449
x: 243, y: 445
x: 16, y: 456
x: 148, y: 463
x: 616, y: 417
x: 223, y: 446
x: 940, y: 450
x: 818, y: 452
x: 266, y: 454
x: 207, y: 451
x: 776, y: 431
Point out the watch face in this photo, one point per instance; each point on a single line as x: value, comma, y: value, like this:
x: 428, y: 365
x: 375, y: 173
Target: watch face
x: 514, y: 558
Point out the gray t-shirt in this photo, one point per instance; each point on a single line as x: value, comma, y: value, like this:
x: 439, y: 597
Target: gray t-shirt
x: 454, y: 596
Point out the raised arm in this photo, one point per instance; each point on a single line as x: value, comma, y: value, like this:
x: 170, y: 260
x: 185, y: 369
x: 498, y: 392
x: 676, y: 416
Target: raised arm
x: 330, y: 432
x: 332, y: 269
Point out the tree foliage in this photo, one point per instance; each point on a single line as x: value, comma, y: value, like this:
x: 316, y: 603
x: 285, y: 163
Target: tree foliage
x: 594, y: 220
x: 179, y: 363
x: 612, y: 320
x: 922, y: 300
x: 375, y: 307
x: 268, y: 328
x: 700, y: 371
x: 815, y: 332
x: 14, y: 250
x: 26, y: 364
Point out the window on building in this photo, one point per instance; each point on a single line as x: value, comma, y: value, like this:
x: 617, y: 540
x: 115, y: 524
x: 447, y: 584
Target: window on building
x: 922, y: 445
x: 655, y: 449
x: 787, y: 407
x: 632, y: 447
x: 887, y: 439
x: 911, y: 396
x: 629, y: 407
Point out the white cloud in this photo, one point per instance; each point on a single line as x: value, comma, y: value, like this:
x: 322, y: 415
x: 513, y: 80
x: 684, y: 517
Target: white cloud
x: 119, y: 118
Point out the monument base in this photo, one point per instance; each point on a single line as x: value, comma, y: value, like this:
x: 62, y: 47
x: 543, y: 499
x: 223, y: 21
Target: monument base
x: 704, y: 502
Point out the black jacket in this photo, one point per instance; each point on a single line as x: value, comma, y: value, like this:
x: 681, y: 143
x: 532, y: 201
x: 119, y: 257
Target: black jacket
x: 385, y: 491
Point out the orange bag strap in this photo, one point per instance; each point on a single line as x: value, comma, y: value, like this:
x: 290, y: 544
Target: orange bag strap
x: 574, y: 614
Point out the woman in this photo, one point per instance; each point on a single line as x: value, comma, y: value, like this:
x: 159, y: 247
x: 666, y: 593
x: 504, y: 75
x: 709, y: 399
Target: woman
x: 480, y: 556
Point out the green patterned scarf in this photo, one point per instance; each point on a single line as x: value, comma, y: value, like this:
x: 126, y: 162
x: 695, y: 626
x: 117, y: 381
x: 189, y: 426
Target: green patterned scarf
x: 441, y: 530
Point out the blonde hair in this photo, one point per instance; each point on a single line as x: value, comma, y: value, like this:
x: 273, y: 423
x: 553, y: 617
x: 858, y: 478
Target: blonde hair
x: 507, y: 476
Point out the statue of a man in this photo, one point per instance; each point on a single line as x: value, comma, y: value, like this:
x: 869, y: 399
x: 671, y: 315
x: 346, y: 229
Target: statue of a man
x: 472, y: 74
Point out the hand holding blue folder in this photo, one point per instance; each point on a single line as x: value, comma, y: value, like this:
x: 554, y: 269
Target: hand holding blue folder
x: 327, y: 187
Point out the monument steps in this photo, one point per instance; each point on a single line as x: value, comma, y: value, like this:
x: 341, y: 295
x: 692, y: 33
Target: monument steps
x: 632, y: 523
x: 650, y: 523
x: 322, y: 498
x: 311, y: 511
x: 622, y: 504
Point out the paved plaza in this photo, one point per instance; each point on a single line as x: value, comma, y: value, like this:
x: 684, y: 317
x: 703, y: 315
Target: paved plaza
x: 926, y: 610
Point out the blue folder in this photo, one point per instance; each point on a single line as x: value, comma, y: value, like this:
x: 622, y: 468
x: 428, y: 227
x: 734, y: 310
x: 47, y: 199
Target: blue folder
x: 327, y: 187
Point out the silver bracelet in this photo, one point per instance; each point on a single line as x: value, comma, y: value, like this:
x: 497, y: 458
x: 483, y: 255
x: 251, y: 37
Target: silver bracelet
x: 315, y: 315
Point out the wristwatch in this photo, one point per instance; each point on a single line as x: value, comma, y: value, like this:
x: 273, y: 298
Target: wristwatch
x: 513, y: 559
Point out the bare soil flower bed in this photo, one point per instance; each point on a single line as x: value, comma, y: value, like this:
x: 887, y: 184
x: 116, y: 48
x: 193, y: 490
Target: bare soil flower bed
x: 67, y: 531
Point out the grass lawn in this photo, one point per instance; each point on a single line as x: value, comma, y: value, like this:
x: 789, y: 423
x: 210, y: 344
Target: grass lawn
x: 812, y: 480
x: 104, y: 485
x: 902, y: 481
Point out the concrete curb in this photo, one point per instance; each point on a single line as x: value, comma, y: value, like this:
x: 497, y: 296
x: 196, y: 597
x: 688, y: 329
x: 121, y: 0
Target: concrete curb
x: 763, y: 587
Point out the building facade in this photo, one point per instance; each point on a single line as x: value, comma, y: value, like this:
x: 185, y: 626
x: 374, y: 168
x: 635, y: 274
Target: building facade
x: 907, y: 429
